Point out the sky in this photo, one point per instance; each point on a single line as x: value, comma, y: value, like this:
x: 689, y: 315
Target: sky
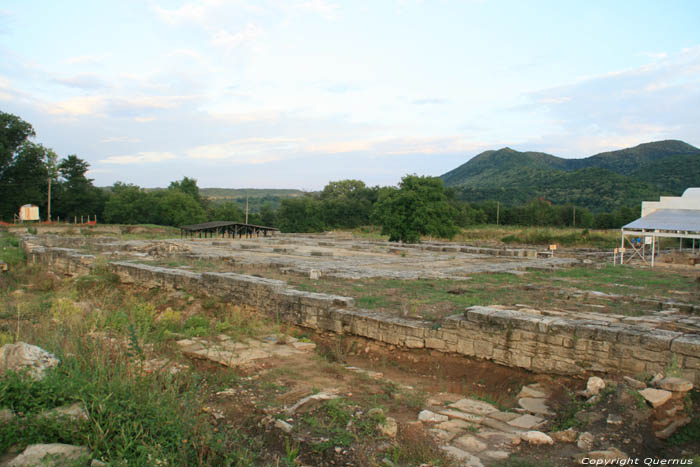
x: 297, y: 93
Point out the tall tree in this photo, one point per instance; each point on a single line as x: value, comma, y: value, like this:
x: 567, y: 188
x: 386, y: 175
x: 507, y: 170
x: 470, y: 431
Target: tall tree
x: 420, y: 206
x: 76, y: 195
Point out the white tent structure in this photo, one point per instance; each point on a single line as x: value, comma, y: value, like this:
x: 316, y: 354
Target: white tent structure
x: 671, y: 216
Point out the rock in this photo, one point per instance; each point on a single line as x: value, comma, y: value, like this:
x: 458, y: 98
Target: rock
x: 6, y: 415
x: 526, y: 422
x: 534, y: 405
x: 670, y: 429
x: 566, y: 436
x: 656, y: 379
x: 454, y: 426
x: 465, y: 459
x: 431, y: 417
x: 634, y: 384
x: 594, y: 385
x: 656, y: 397
x: 470, y: 443
x: 585, y: 441
x: 75, y: 412
x: 55, y: 454
x: 495, y: 455
x: 375, y: 412
x: 500, y: 426
x: 600, y: 457
x: 321, y: 396
x: 504, y: 416
x: 474, y: 406
x: 97, y: 463
x: 20, y: 356
x: 676, y: 384
x: 532, y: 390
x: 284, y: 426
x: 304, y: 345
x: 536, y: 437
x: 442, y: 435
x: 500, y: 438
x: 389, y: 427
x: 614, y: 420
x: 467, y: 417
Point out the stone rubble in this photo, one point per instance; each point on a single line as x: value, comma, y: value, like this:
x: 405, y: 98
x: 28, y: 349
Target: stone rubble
x: 23, y: 356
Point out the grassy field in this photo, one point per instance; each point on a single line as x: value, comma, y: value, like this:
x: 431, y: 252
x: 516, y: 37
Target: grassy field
x: 117, y: 346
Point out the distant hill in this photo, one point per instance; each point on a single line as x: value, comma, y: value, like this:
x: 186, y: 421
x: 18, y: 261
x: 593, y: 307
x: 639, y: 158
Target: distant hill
x: 234, y: 193
x: 600, y: 182
x: 257, y: 197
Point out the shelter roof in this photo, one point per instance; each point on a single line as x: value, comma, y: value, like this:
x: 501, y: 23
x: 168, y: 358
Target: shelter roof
x: 217, y: 224
x: 687, y: 220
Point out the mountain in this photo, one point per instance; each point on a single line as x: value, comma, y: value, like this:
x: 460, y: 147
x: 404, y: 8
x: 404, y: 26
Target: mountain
x: 600, y: 182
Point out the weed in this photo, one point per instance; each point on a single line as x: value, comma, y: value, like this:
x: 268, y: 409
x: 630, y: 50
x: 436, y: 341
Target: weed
x: 566, y: 416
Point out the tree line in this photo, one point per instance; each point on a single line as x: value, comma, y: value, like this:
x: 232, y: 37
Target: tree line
x: 418, y: 206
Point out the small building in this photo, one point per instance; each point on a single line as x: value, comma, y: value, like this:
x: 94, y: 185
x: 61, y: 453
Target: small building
x: 29, y: 212
x: 671, y: 216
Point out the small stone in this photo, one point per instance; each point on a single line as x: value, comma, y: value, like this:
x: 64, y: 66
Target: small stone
x: 595, y: 385
x: 321, y: 396
x: 375, y: 412
x: 634, y: 383
x: 470, y: 443
x: 534, y: 405
x: 97, y: 463
x: 676, y: 384
x: 585, y: 441
x: 389, y: 427
x: 536, y: 437
x: 614, y: 420
x: 23, y: 356
x: 504, y: 416
x: 442, y: 435
x: 526, y: 422
x: 75, y: 412
x: 566, y: 436
x: 304, y: 345
x: 495, y: 455
x: 656, y: 379
x: 431, y: 417
x: 466, y: 459
x: 467, y: 417
x: 474, y: 406
x: 454, y: 425
x: 656, y: 397
x: 531, y: 390
x: 55, y: 454
x: 670, y: 429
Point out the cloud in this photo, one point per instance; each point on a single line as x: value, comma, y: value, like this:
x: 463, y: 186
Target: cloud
x: 83, y: 81
x: 228, y: 40
x: 139, y: 158
x: 249, y: 150
x: 429, y: 101
x: 659, y: 100
x: 322, y: 8
x: 120, y: 139
x: 101, y: 106
x: 84, y: 60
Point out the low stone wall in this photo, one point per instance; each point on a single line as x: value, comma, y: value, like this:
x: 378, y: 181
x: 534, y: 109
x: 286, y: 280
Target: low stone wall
x: 508, y: 337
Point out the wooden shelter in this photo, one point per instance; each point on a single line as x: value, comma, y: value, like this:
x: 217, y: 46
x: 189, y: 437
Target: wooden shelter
x: 225, y: 229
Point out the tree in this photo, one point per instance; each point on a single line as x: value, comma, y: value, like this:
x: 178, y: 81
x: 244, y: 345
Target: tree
x: 189, y: 186
x: 225, y: 212
x: 420, y: 206
x: 127, y: 204
x: 175, y: 207
x: 75, y: 194
x: 300, y: 215
x: 347, y: 203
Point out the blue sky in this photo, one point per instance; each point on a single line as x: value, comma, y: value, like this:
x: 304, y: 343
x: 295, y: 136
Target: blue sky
x: 295, y: 93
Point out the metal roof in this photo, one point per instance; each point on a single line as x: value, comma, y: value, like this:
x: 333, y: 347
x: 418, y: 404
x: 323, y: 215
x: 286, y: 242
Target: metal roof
x: 687, y: 220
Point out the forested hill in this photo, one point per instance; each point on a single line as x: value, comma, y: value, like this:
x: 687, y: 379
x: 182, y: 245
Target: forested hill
x: 604, y: 181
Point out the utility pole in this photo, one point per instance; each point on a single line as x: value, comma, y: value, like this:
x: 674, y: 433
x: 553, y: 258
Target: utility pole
x: 51, y: 158
x: 246, y: 208
x: 498, y: 212
x: 574, y: 223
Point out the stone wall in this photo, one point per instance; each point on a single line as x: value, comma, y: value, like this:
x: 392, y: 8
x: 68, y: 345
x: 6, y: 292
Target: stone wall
x: 508, y: 337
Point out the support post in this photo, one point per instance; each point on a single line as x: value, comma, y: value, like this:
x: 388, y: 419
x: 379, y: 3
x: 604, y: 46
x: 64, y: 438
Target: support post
x: 653, y: 249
